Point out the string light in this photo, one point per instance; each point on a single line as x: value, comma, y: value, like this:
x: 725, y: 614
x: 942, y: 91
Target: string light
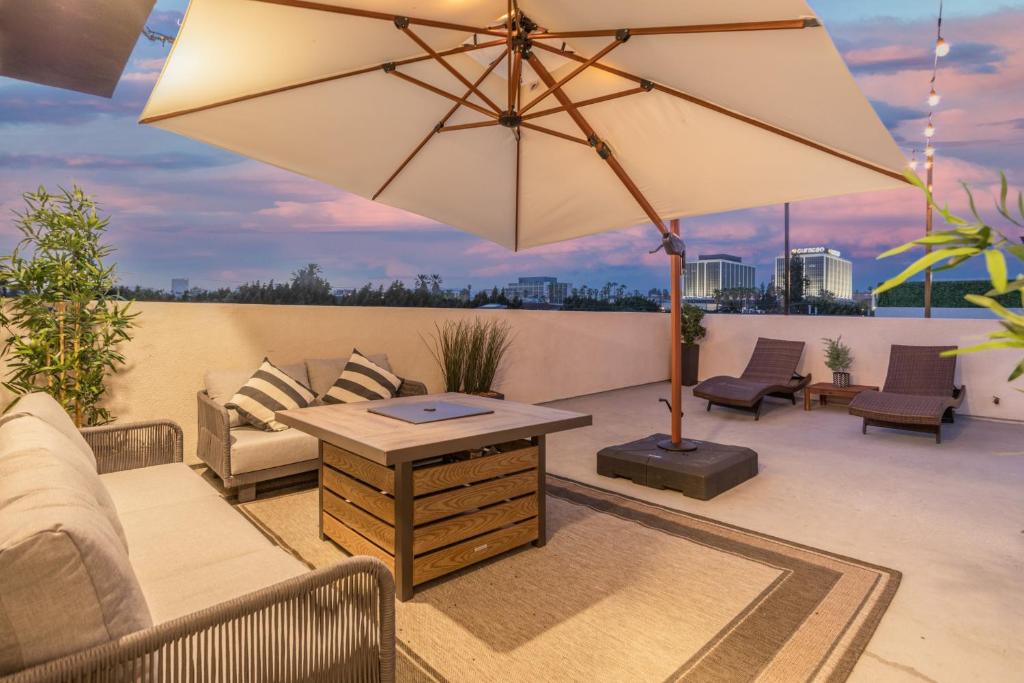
x: 929, y: 131
x: 941, y: 47
x: 929, y: 151
x: 912, y: 164
x: 934, y: 98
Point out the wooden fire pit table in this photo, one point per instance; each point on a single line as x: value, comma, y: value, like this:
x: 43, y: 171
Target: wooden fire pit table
x: 429, y: 499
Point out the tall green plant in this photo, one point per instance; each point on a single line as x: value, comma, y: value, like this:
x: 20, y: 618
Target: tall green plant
x: 62, y: 324
x: 691, y: 317
x: 966, y: 240
x: 468, y: 352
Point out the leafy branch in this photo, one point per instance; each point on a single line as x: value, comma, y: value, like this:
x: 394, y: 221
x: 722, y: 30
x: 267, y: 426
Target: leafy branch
x: 966, y: 240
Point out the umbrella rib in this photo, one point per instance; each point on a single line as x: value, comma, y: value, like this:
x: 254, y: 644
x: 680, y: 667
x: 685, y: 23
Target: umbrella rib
x: 587, y: 103
x: 315, y: 81
x: 732, y: 114
x: 467, y: 126
x: 369, y: 14
x: 619, y: 40
x: 778, y: 25
x: 439, y: 127
x: 599, y: 145
x: 444, y: 93
x: 555, y: 133
x: 451, y: 69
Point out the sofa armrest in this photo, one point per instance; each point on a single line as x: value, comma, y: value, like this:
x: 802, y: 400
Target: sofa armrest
x: 213, y: 440
x: 332, y: 624
x: 131, y: 446
x: 411, y: 387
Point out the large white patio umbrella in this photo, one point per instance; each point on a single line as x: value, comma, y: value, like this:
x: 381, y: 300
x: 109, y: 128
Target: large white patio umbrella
x: 534, y: 121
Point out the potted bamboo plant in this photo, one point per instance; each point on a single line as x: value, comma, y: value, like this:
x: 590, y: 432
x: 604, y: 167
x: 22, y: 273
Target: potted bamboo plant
x: 692, y: 332
x: 62, y: 325
x: 838, y: 358
x: 469, y: 353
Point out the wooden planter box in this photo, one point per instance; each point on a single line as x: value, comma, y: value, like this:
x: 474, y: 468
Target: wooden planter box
x: 465, y: 509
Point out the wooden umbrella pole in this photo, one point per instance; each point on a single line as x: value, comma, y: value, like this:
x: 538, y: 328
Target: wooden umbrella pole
x: 677, y: 344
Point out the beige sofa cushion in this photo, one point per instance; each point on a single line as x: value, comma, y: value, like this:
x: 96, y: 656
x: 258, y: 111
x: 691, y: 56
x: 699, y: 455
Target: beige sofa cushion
x: 191, y: 549
x: 156, y: 486
x: 65, y: 580
x: 26, y: 435
x: 221, y: 385
x: 323, y: 372
x: 46, y: 408
x: 254, y: 449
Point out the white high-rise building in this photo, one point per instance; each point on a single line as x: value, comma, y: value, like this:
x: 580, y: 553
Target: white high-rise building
x: 716, y: 272
x: 179, y: 287
x: 825, y: 270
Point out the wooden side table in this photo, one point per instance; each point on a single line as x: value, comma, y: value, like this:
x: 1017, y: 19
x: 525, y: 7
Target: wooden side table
x: 826, y: 389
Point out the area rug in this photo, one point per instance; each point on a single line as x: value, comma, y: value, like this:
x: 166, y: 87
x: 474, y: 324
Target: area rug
x: 624, y: 590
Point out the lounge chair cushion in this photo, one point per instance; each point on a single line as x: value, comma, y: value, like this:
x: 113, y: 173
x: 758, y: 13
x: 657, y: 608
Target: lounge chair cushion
x: 221, y: 385
x: 324, y: 371
x: 66, y: 583
x: 899, y: 408
x: 191, y: 549
x: 253, y: 449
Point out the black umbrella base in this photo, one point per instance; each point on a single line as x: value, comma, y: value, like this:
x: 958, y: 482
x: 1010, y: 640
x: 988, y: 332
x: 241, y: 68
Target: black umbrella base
x: 702, y: 473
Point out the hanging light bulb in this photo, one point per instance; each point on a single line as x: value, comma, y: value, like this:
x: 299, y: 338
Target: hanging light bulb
x: 912, y: 164
x: 934, y: 98
x: 929, y: 151
x: 930, y: 130
x: 941, y: 47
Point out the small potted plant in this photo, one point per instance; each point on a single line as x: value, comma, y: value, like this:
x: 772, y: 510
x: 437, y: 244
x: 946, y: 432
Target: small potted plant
x: 692, y: 332
x: 838, y: 359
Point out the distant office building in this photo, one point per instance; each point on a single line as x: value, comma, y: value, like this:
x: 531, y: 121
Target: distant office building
x: 716, y: 272
x: 179, y: 287
x: 539, y: 290
x: 825, y: 270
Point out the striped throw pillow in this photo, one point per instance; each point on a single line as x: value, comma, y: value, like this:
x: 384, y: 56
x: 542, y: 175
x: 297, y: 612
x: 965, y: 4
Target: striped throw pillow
x: 270, y: 389
x: 362, y: 380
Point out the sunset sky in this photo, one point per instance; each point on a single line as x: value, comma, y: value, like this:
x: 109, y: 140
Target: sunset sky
x: 182, y: 209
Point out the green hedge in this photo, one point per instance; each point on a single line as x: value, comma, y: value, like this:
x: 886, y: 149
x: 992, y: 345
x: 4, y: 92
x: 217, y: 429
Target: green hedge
x: 945, y: 294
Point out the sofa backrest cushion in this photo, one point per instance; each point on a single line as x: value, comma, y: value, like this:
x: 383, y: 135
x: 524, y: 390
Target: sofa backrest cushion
x: 65, y: 580
x: 46, y: 408
x: 221, y: 385
x: 323, y: 372
x: 26, y: 435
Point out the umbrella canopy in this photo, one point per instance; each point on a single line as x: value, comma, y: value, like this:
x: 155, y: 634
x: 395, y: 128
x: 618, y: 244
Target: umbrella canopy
x: 532, y: 122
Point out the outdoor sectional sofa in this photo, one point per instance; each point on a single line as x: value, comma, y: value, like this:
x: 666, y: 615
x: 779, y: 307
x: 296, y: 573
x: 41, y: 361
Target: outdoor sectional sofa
x: 242, y: 455
x: 919, y: 393
x: 771, y: 371
x: 119, y: 563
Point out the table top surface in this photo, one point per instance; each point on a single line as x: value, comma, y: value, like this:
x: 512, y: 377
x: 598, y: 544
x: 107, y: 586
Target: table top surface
x: 388, y: 441
x: 852, y: 389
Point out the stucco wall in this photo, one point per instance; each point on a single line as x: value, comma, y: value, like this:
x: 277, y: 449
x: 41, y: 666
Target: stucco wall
x: 554, y: 355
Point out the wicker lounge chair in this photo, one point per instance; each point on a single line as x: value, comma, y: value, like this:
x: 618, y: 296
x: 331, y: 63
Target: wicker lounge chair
x: 770, y: 372
x: 919, y: 394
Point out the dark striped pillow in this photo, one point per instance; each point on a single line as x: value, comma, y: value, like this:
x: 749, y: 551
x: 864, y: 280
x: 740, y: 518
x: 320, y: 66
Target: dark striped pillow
x: 270, y: 389
x: 362, y: 380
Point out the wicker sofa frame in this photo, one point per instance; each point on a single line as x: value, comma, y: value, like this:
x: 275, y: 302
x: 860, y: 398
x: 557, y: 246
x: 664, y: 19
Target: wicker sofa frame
x: 332, y: 624
x: 214, y: 445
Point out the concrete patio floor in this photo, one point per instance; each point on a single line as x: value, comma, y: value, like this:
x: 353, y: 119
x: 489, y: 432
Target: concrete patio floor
x: 949, y: 516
